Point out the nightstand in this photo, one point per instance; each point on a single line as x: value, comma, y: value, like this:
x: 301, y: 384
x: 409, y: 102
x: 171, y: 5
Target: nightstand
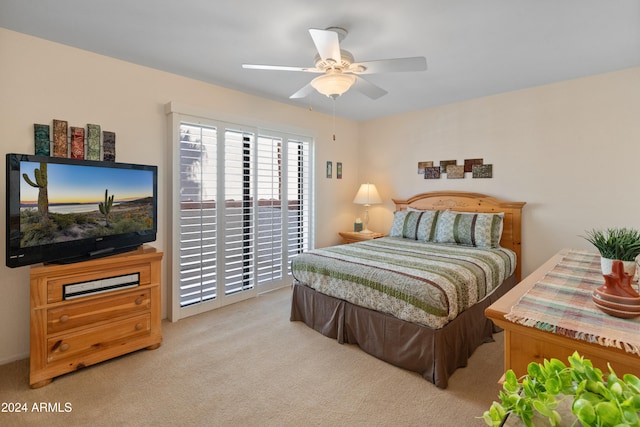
x: 354, y: 236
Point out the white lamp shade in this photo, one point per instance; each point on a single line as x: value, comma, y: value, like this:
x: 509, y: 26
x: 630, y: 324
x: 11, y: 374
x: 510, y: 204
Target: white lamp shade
x: 334, y: 84
x: 367, y: 195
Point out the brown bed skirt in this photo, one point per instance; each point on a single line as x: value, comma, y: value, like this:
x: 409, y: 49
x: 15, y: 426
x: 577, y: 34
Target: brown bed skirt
x: 434, y: 353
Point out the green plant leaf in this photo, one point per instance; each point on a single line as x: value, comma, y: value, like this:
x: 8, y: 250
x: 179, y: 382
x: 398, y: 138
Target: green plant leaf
x: 555, y: 365
x: 509, y: 400
x: 584, y: 410
x: 630, y: 417
x: 511, y: 382
x: 552, y: 385
x: 593, y: 374
x: 531, y: 387
x: 615, y: 388
x: 632, y: 381
x: 495, y: 415
x: 555, y: 418
x: 542, y: 408
x: 616, y: 243
x: 534, y: 370
x: 608, y: 413
x: 498, y: 410
x: 576, y: 362
x: 604, y: 391
x: 633, y: 402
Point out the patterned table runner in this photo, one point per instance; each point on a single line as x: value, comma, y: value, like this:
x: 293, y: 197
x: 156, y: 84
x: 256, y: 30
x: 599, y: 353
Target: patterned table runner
x: 561, y: 303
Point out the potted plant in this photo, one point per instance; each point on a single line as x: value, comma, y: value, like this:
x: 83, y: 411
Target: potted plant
x: 616, y: 244
x: 589, y: 399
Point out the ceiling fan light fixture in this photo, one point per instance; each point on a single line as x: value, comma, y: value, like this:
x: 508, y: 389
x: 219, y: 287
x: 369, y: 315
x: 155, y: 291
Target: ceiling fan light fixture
x: 333, y: 84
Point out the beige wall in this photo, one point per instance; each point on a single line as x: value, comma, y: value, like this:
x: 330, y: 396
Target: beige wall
x: 41, y: 81
x: 570, y: 150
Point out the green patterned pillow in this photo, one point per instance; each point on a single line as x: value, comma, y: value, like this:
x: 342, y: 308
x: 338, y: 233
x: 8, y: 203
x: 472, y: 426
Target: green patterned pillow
x: 416, y: 225
x: 482, y: 230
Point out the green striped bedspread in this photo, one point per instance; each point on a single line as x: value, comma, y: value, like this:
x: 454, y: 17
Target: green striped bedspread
x: 424, y: 283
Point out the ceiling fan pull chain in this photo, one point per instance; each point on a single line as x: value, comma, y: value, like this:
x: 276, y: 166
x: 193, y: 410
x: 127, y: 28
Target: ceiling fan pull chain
x: 334, y: 118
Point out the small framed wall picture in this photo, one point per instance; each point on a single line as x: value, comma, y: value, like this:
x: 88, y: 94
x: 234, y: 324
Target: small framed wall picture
x: 455, y: 171
x: 41, y: 135
x: 329, y: 169
x: 423, y: 165
x: 339, y: 170
x: 445, y: 163
x: 468, y: 164
x: 60, y: 142
x: 432, y: 172
x: 482, y: 171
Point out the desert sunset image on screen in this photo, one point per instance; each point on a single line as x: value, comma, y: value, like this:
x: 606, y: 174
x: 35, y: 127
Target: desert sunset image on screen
x: 62, y: 202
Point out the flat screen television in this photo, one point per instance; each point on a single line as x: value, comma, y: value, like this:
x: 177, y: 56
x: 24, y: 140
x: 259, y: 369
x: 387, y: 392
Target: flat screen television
x: 63, y: 210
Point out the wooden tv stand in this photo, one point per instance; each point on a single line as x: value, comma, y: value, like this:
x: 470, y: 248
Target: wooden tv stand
x: 72, y: 333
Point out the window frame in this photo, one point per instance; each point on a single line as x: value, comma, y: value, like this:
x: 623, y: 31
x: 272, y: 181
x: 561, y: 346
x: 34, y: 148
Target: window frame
x: 176, y: 118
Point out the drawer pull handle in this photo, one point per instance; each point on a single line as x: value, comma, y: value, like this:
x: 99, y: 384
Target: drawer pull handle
x: 64, y: 318
x: 138, y: 326
x: 139, y: 300
x: 64, y: 347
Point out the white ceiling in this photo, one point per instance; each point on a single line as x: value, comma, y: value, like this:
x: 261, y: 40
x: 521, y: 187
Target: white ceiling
x: 473, y: 47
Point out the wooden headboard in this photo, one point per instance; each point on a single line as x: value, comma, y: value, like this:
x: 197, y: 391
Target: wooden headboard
x: 475, y: 202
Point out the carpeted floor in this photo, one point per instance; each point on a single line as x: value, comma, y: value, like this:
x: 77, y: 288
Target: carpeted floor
x: 248, y: 365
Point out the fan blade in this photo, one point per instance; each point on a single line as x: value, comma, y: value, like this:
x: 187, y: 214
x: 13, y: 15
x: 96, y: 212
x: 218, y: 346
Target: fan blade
x: 327, y: 44
x: 416, y: 63
x: 303, y: 93
x: 369, y: 89
x: 282, y: 68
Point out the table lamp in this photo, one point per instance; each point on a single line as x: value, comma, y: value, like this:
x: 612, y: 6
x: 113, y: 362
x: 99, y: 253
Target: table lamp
x: 367, y: 195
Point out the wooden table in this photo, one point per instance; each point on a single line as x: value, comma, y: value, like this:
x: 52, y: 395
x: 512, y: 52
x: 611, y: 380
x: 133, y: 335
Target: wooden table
x: 524, y: 344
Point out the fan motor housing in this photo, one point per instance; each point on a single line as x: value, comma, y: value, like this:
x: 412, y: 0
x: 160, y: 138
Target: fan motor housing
x: 345, y: 63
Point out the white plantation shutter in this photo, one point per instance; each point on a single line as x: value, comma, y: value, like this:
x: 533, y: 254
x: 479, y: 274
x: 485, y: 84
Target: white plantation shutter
x: 198, y: 224
x: 299, y: 198
x: 270, y: 212
x: 238, y: 214
x: 245, y: 211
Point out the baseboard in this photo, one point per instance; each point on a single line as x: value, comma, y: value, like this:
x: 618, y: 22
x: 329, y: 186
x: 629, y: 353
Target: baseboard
x: 10, y: 359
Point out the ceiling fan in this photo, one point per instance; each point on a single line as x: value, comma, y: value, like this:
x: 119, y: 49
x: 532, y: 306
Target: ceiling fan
x: 340, y: 71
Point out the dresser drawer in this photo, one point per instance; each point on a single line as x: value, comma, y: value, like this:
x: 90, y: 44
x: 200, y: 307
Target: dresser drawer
x: 92, y: 339
x: 96, y: 310
x: 55, y: 286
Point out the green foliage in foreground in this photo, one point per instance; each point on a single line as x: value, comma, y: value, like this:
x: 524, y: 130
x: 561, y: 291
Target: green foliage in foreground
x: 595, y: 402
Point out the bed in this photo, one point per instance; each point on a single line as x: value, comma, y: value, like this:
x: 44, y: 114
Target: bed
x: 416, y: 298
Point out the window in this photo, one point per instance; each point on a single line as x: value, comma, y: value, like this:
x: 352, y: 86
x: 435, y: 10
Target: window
x: 244, y: 211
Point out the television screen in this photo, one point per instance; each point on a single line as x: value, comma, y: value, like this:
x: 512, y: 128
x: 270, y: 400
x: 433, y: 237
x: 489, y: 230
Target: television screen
x: 66, y: 210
